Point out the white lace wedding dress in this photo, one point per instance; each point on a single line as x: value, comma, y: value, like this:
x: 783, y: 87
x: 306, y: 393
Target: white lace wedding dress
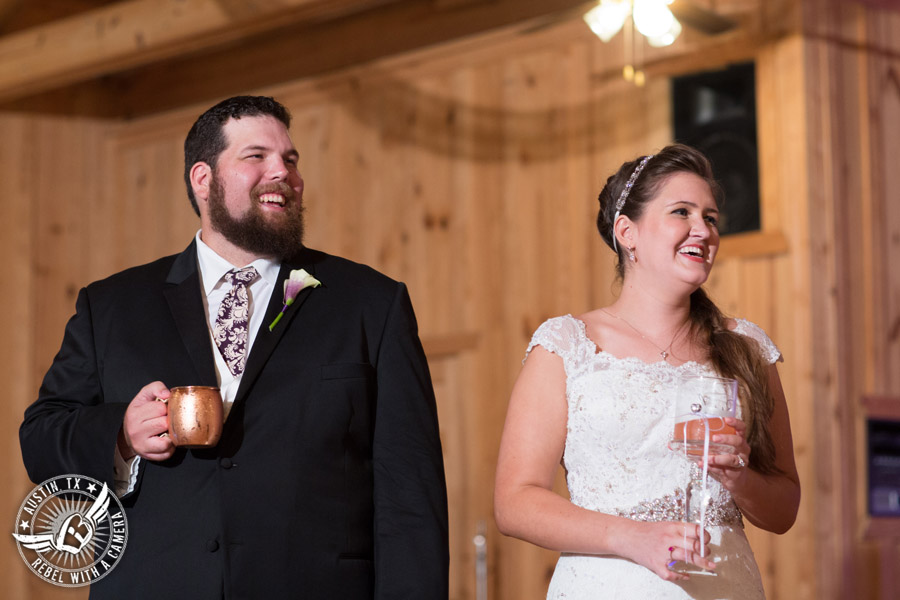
x: 620, y: 417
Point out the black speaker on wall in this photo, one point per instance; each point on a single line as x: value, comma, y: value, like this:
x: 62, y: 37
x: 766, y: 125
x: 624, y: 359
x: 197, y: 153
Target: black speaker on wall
x: 715, y: 112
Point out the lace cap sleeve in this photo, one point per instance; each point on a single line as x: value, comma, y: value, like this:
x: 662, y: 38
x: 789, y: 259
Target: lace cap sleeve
x: 558, y: 335
x: 767, y: 347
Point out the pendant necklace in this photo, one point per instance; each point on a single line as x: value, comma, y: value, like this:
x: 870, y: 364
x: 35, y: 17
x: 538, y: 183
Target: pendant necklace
x: 663, y: 352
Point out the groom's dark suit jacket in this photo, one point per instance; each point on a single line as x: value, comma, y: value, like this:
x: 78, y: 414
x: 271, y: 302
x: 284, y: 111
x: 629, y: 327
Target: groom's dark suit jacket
x: 328, y: 481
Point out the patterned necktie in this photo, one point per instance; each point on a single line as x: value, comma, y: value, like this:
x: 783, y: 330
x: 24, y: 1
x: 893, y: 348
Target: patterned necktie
x: 233, y: 319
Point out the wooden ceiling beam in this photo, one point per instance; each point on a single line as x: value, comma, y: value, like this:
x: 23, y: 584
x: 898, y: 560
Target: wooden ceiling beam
x: 287, y: 53
x: 7, y: 7
x: 134, y: 33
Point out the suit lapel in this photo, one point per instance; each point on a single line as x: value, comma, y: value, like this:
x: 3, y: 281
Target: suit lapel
x: 184, y: 295
x: 266, y: 340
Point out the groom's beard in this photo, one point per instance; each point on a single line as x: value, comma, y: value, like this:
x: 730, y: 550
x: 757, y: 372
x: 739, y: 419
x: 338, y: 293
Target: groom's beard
x: 279, y: 236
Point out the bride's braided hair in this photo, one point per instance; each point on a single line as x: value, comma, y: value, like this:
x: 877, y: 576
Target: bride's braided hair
x: 731, y: 354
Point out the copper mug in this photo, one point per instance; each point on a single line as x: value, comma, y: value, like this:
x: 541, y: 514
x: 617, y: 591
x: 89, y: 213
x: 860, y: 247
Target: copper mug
x: 195, y: 416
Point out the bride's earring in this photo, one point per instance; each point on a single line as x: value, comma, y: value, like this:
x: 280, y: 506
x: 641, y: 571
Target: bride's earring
x: 631, y: 255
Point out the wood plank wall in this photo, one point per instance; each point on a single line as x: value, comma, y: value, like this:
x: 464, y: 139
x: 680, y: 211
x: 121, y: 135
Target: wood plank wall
x: 771, y: 289
x: 471, y: 171
x: 853, y: 83
x: 50, y: 171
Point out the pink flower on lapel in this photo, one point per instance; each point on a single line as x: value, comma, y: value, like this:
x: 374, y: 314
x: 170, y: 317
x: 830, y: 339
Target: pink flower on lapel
x: 298, y: 281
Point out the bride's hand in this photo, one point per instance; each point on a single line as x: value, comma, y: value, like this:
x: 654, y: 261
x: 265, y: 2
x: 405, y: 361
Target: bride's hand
x: 659, y: 545
x: 729, y: 469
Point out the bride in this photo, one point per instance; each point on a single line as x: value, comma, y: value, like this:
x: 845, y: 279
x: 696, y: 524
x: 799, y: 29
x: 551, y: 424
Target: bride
x: 596, y: 394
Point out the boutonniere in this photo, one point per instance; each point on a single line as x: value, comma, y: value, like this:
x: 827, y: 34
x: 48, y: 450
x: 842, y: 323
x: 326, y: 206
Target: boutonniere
x: 298, y: 281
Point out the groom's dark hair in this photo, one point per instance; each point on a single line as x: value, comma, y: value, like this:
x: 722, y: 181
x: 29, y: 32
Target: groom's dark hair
x: 206, y: 139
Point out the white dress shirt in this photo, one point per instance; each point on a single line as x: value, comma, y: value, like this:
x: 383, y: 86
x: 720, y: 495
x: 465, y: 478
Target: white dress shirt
x: 212, y: 273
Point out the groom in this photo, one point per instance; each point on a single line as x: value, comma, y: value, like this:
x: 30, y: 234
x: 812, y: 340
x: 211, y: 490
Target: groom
x: 328, y: 479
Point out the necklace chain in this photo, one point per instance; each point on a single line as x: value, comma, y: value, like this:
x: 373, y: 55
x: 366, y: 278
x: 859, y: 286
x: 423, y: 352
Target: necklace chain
x: 663, y: 352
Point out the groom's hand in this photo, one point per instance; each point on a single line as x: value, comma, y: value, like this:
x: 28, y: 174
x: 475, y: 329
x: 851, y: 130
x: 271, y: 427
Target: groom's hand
x: 145, y: 419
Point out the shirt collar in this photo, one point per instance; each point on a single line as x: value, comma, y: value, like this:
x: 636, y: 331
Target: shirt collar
x: 213, y: 267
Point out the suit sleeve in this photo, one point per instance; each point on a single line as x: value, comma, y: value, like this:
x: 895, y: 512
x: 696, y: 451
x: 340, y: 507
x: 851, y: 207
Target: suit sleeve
x: 69, y: 428
x: 411, y: 548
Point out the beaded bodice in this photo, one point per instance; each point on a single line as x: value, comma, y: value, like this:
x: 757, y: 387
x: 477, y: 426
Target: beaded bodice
x: 620, y: 417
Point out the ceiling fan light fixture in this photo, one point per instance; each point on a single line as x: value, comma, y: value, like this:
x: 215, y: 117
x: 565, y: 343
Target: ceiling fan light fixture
x: 668, y: 37
x: 653, y: 17
x: 607, y: 18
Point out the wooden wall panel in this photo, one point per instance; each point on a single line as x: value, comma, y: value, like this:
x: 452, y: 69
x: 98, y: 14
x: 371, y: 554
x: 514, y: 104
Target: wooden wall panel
x: 16, y: 351
x: 45, y: 236
x: 884, y: 92
x: 781, y: 110
x: 881, y: 296
x: 851, y: 56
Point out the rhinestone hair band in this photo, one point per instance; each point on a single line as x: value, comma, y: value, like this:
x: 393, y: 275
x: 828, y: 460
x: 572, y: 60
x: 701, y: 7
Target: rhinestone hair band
x: 620, y: 203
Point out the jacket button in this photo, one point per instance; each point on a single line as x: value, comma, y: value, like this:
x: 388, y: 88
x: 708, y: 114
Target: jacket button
x: 226, y: 463
x: 212, y: 545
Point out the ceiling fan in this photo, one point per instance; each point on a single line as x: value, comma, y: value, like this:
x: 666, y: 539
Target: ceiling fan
x: 684, y: 11
x: 659, y: 21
